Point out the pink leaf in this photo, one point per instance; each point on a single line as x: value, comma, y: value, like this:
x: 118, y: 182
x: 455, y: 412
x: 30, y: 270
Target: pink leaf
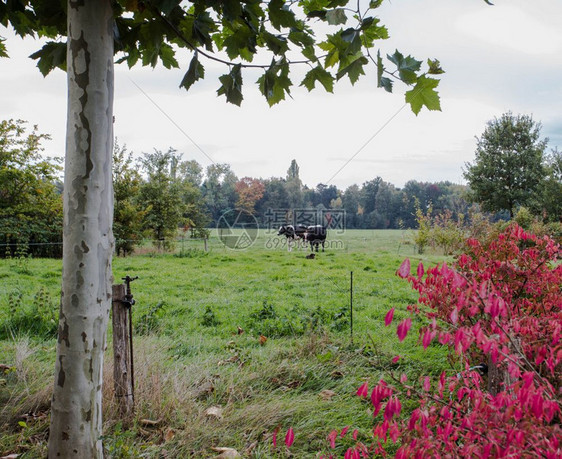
x: 344, y: 431
x: 404, y: 270
x: 275, y: 437
x: 426, y: 383
x: 290, y: 437
x: 363, y: 391
x: 420, y: 270
x: 332, y: 438
x: 427, y: 338
x: 396, y: 359
x: 454, y: 316
x: 388, y: 317
x: 403, y: 328
x: 355, y: 432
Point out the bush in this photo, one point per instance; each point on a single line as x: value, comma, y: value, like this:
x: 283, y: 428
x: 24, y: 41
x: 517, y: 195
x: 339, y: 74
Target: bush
x: 500, y: 307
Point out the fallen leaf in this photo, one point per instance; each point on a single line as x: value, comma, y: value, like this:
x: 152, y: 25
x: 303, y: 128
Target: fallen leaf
x: 10, y: 456
x: 4, y: 369
x: 240, y: 331
x: 214, y: 412
x: 327, y: 394
x: 336, y: 374
x: 226, y: 452
x: 262, y: 339
x: 169, y: 435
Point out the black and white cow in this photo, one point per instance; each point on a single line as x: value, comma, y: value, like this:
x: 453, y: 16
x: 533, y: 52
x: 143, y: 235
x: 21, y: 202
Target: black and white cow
x: 316, y: 235
x: 292, y: 233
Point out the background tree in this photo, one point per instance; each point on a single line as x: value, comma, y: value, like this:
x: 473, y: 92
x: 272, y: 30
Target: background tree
x: 549, y: 199
x: 189, y: 175
x: 351, y: 203
x: 219, y: 189
x: 275, y: 196
x: 293, y: 186
x: 30, y: 204
x: 191, y: 171
x: 508, y: 167
x: 162, y: 196
x: 387, y: 202
x: 150, y: 32
x: 128, y: 212
x: 250, y: 191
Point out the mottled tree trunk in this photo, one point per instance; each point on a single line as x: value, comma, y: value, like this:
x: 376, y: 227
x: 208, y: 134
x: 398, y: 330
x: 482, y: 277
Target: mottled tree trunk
x: 76, y: 412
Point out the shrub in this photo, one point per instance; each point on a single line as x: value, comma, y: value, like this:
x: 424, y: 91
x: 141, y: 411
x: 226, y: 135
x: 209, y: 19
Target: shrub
x: 499, y: 306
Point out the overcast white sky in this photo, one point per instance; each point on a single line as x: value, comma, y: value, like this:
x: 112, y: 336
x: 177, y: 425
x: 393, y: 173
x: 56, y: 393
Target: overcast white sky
x: 499, y: 58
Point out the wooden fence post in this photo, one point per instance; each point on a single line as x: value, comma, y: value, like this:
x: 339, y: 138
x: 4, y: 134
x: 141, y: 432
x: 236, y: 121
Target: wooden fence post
x: 123, y: 379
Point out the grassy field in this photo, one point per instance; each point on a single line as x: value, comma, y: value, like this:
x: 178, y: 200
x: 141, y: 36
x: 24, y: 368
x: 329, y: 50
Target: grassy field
x: 200, y: 321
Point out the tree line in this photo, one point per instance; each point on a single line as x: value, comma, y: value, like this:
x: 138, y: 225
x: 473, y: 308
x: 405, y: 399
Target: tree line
x: 159, y: 193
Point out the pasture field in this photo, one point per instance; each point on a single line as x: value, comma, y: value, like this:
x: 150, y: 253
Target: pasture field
x: 262, y: 336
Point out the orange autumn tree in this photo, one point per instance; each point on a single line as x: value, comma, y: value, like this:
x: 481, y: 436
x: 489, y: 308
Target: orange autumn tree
x: 250, y: 191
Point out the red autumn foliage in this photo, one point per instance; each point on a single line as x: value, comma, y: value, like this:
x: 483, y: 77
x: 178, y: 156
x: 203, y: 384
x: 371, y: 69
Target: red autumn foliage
x: 499, y: 305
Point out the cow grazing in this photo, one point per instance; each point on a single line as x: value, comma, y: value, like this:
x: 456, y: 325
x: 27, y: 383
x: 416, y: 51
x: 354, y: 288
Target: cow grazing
x: 316, y: 235
x: 292, y: 233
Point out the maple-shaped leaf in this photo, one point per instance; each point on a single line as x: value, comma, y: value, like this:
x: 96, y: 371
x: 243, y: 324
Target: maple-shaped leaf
x: 382, y: 82
x: 194, y: 72
x: 434, y: 67
x: 424, y: 94
x: 232, y: 86
x: 301, y: 38
x: 280, y: 15
x: 371, y: 31
x: 336, y: 16
x: 167, y: 56
x: 276, y: 43
x: 275, y: 82
x: 352, y: 67
x: 202, y: 27
x: 321, y: 75
x: 51, y: 55
x: 406, y: 66
x: 238, y: 40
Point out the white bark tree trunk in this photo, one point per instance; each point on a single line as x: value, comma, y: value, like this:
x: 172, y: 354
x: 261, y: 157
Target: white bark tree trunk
x: 76, y: 412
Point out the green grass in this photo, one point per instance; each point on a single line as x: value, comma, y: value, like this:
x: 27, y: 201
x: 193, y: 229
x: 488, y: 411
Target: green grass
x: 190, y: 354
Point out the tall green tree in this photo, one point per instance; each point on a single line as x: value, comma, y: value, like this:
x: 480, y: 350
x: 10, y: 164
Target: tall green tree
x: 128, y: 212
x: 150, y: 32
x: 549, y: 200
x: 293, y: 185
x: 189, y: 175
x: 219, y: 189
x: 161, y: 193
x: 30, y: 204
x: 508, y: 167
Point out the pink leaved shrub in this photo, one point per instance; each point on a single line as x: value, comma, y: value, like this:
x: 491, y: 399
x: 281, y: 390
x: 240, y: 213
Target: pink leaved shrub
x: 499, y: 305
